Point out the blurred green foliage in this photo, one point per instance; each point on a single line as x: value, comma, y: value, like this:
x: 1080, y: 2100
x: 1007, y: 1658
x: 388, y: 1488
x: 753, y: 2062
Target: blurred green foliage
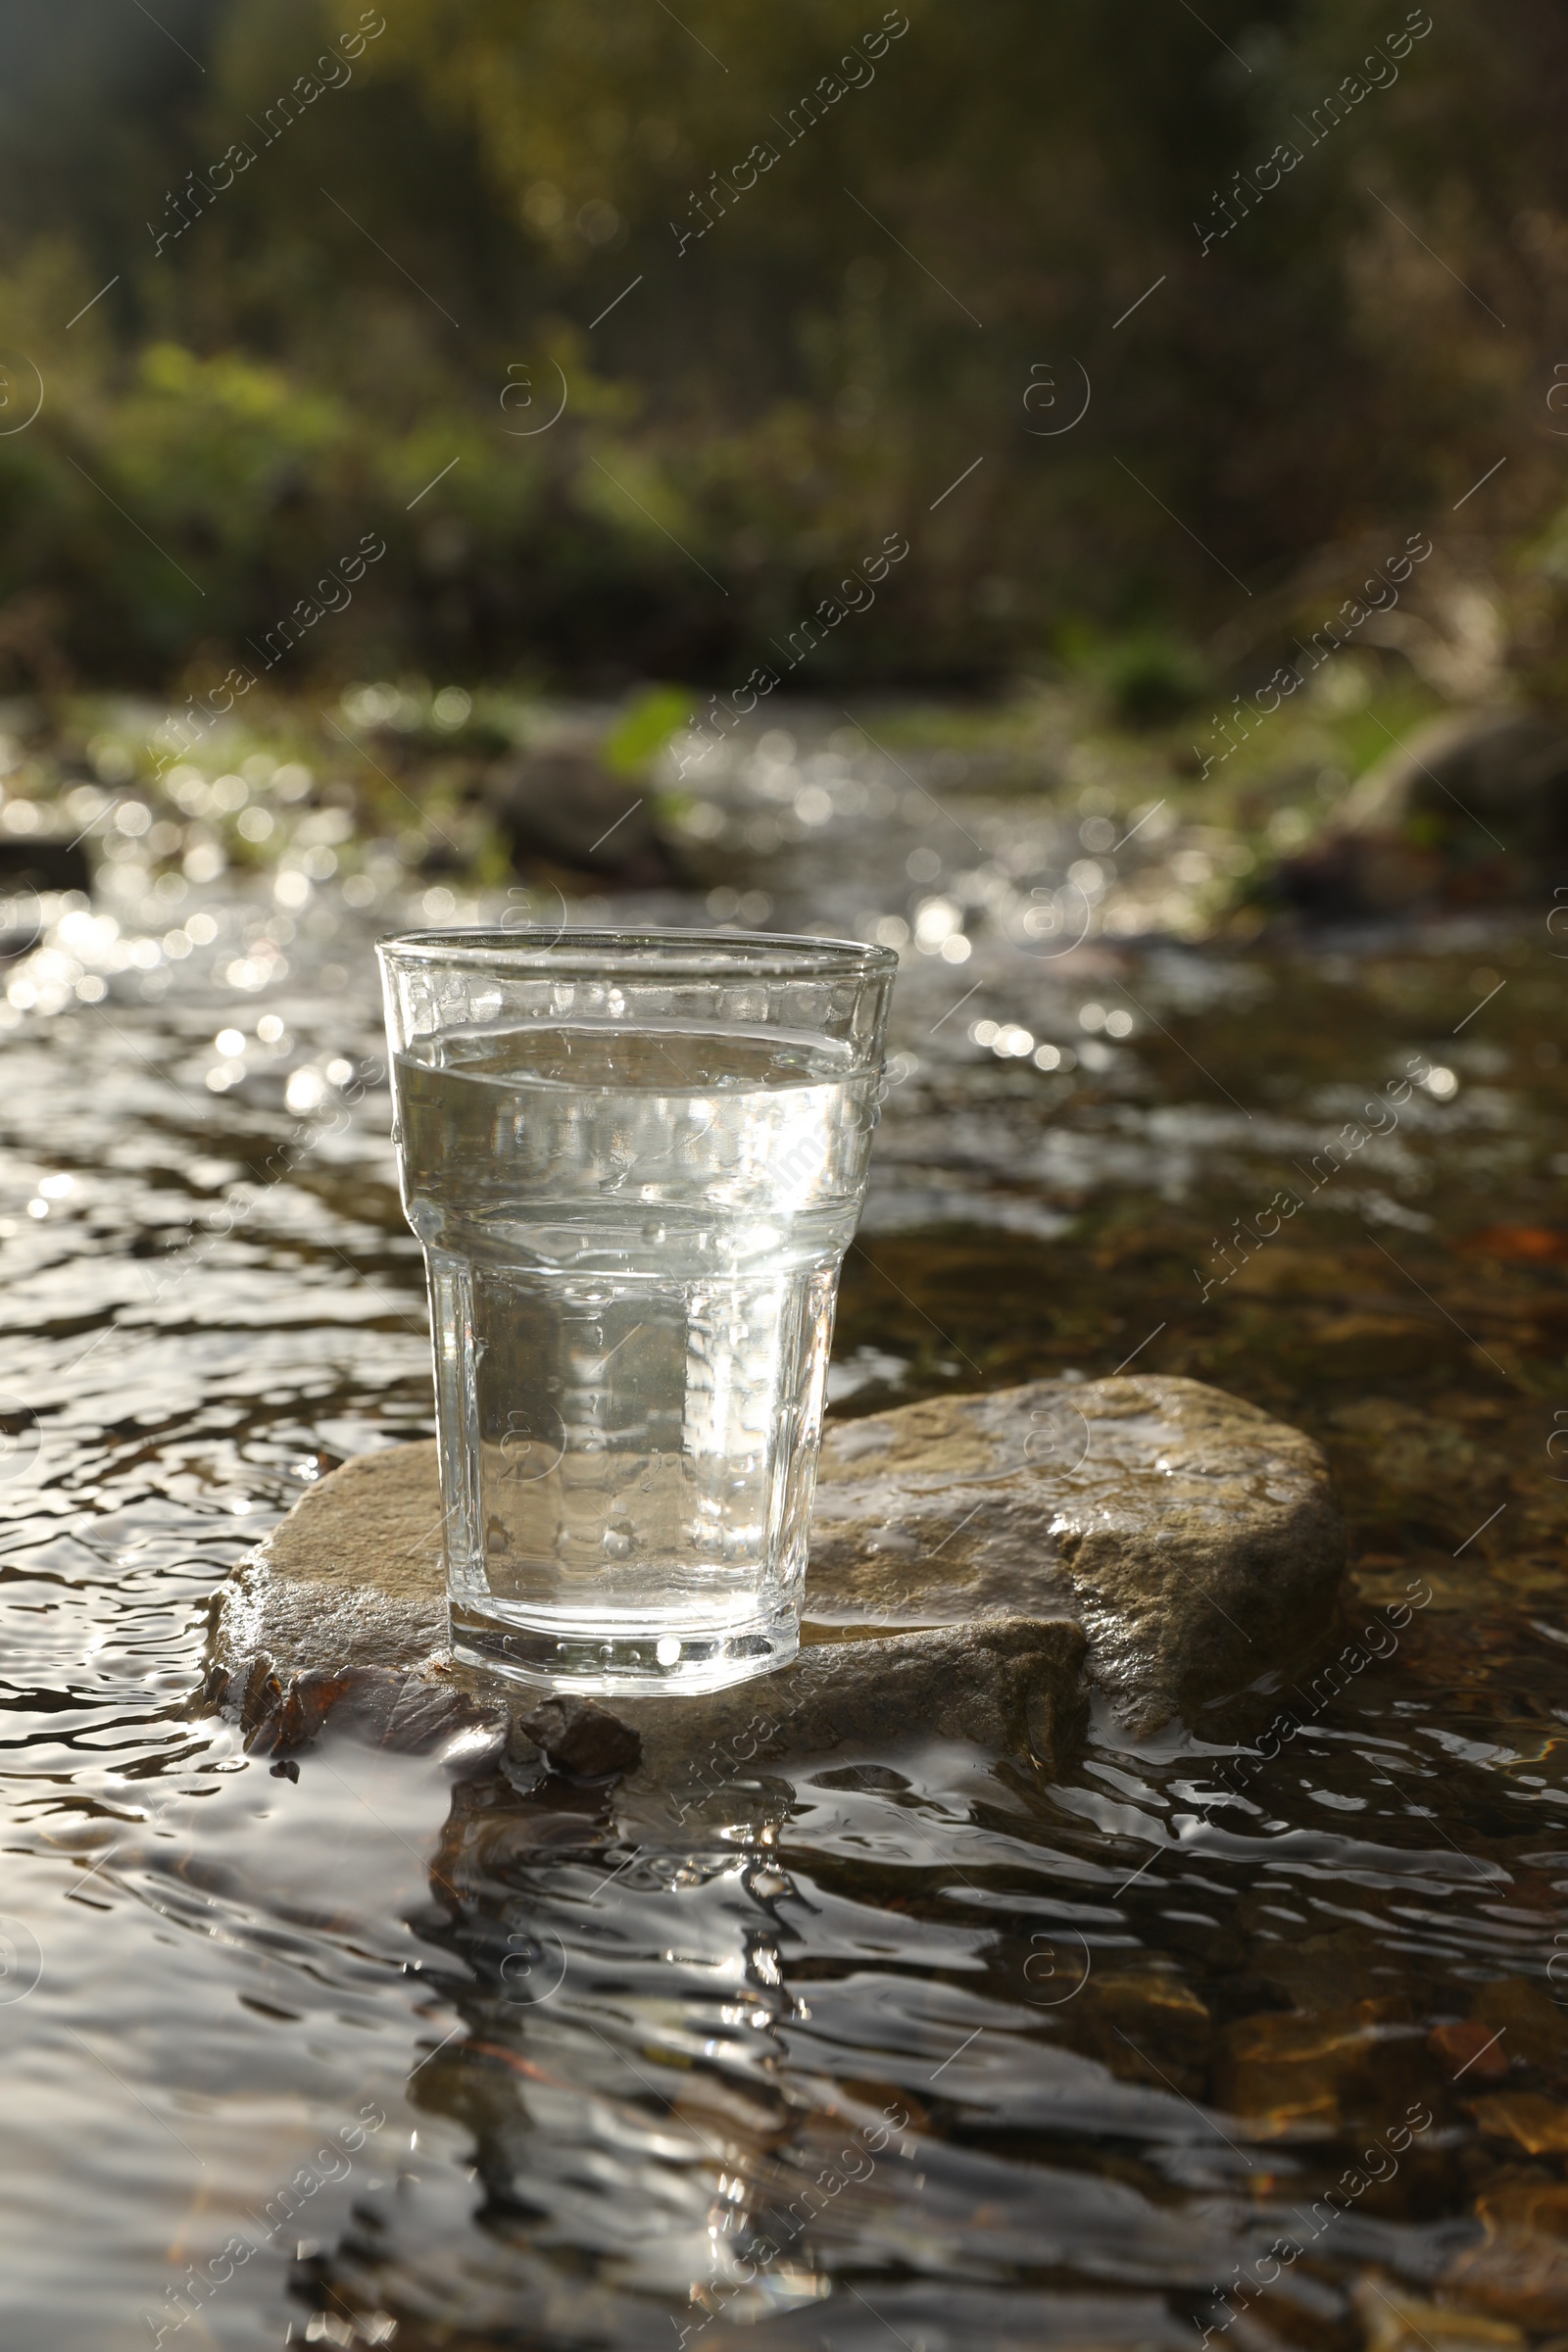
x: 644, y: 728
x: 455, y: 209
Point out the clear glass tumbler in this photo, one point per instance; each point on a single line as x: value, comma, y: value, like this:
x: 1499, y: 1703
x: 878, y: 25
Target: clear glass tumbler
x: 635, y: 1160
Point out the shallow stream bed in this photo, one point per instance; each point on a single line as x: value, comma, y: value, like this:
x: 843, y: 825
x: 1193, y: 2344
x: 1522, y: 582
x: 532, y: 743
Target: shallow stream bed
x: 1270, y: 2045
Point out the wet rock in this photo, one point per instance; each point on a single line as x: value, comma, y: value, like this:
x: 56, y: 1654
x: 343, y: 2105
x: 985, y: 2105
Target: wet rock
x: 559, y: 804
x: 1196, y: 1541
x: 1015, y: 1688
x: 978, y: 1565
x: 579, y: 1737
x: 353, y: 1575
x: 1472, y: 808
x: 410, y: 1713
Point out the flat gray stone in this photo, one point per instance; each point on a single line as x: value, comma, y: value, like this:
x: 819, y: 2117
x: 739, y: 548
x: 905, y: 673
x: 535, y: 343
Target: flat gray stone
x: 978, y: 1565
x: 351, y: 1583
x: 353, y: 1575
x: 1014, y: 1687
x: 1196, y: 1540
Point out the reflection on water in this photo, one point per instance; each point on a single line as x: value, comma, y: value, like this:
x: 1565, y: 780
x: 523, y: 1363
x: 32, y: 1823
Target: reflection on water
x: 914, y: 2050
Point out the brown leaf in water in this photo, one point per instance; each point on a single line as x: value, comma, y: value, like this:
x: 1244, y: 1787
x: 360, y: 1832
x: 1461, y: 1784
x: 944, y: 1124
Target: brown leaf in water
x: 1538, y: 2126
x: 1471, y: 2049
x: 1526, y: 2204
x: 1524, y: 1244
x: 1283, y: 2071
x: 1521, y: 2269
x: 404, y: 1712
x: 1393, y: 2322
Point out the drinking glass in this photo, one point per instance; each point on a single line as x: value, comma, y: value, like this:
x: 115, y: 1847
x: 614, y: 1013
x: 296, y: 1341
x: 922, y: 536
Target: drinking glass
x: 634, y: 1161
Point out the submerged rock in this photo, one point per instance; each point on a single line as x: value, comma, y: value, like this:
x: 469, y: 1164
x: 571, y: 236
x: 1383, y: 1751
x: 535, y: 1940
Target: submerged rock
x: 578, y: 1736
x: 979, y: 1566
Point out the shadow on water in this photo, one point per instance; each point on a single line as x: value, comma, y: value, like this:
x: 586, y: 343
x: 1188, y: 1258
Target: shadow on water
x: 1268, y: 2047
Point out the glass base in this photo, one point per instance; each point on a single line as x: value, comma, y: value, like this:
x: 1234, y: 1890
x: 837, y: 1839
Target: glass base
x: 651, y: 1662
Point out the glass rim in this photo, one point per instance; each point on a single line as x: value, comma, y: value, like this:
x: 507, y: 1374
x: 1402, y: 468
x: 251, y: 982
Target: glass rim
x: 645, y: 952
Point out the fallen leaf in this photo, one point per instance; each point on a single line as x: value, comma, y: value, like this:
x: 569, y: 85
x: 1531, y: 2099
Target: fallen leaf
x: 1522, y: 2269
x: 1470, y: 2049
x: 1282, y: 2071
x: 1538, y: 2126
x: 1526, y: 2207
x: 1525, y: 1244
x: 1395, y: 2323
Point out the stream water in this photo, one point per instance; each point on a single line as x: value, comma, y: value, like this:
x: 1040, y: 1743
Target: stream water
x: 385, y: 2053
